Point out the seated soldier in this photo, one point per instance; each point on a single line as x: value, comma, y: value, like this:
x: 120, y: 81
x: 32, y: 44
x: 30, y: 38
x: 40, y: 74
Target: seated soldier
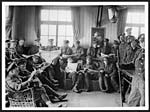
x: 72, y: 72
x: 66, y: 51
x: 16, y: 83
x: 59, y: 64
x: 12, y: 50
x: 78, y: 52
x: 108, y: 71
x: 91, y: 72
x: 35, y: 48
x: 46, y: 77
x: 94, y: 51
x: 106, y: 49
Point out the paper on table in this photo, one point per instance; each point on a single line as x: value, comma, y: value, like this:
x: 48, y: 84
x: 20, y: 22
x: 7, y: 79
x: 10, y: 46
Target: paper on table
x: 71, y: 67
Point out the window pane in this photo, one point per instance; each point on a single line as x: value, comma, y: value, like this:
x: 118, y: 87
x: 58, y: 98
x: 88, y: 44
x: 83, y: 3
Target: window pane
x: 44, y: 29
x: 62, y: 15
x: 53, y: 15
x: 69, y: 30
x: 44, y: 40
x: 68, y: 15
x: 134, y: 17
x: 70, y: 38
x: 60, y: 40
x: 142, y: 30
x: 44, y: 15
x: 135, y: 31
x: 54, y: 39
x: 61, y: 30
x: 52, y: 29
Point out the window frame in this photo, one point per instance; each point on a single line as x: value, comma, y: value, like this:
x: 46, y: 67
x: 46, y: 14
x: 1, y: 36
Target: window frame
x: 57, y: 23
x: 138, y: 25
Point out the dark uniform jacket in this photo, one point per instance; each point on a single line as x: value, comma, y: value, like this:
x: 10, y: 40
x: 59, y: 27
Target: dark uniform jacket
x: 66, y: 51
x: 129, y: 54
x: 106, y: 50
x: 33, y: 50
x: 20, y: 49
x: 79, y: 51
x: 122, y: 49
x: 93, y: 52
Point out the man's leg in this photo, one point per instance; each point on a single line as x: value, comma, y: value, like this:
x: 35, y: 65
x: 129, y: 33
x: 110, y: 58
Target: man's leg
x: 50, y: 91
x: 114, y: 83
x: 87, y: 81
x: 46, y: 81
x: 101, y: 81
x: 50, y: 72
x: 79, y: 79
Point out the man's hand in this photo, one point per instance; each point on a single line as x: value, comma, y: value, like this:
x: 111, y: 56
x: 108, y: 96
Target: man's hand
x: 32, y: 74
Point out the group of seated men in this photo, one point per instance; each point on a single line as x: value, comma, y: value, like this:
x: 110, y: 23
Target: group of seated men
x: 99, y: 62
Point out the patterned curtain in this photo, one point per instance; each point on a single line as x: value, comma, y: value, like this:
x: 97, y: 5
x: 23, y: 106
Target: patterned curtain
x: 76, y: 22
x: 122, y: 21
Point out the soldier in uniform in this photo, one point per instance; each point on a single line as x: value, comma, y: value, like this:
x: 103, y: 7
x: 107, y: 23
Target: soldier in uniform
x: 78, y: 52
x: 108, y: 71
x: 94, y: 51
x: 106, y: 49
x: 129, y: 38
x: 66, y: 51
x: 20, y: 48
x: 137, y: 94
x: 33, y: 49
x: 130, y: 52
x: 17, y: 82
x: 122, y: 48
x: 12, y: 50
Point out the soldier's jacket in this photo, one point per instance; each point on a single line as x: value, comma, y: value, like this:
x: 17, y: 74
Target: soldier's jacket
x: 14, y: 82
x: 66, y: 51
x: 33, y: 50
x: 129, y: 54
x: 93, y: 52
x: 122, y: 49
x: 20, y: 49
x: 110, y: 69
x: 139, y: 61
x: 79, y: 51
x: 13, y: 53
x: 106, y: 50
x: 129, y: 37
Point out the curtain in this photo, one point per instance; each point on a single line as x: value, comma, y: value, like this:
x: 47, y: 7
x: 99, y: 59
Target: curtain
x: 9, y: 17
x: 37, y: 21
x: 75, y: 15
x: 122, y: 21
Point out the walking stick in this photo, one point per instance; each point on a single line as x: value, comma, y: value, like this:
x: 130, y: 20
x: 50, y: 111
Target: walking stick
x: 119, y: 74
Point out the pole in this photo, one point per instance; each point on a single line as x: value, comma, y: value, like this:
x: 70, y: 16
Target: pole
x: 119, y: 74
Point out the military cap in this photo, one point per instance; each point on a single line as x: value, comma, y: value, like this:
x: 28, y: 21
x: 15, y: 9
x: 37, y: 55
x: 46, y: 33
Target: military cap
x: 66, y: 41
x: 7, y: 41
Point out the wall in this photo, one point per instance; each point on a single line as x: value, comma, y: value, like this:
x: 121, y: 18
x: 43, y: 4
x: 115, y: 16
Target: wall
x: 88, y: 16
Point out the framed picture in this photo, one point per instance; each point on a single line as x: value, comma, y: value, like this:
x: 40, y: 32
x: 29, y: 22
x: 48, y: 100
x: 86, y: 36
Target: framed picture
x: 97, y: 34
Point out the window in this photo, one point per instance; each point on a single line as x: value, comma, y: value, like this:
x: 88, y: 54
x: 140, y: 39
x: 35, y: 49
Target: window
x: 56, y: 24
x: 135, y: 20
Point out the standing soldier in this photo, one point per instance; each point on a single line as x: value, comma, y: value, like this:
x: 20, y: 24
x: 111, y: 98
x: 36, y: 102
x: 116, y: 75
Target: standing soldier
x: 122, y: 48
x: 138, y: 80
x: 130, y: 52
x: 129, y: 37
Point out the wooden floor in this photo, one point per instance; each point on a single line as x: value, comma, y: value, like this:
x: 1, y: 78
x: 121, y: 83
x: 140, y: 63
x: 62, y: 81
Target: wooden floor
x: 92, y: 99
